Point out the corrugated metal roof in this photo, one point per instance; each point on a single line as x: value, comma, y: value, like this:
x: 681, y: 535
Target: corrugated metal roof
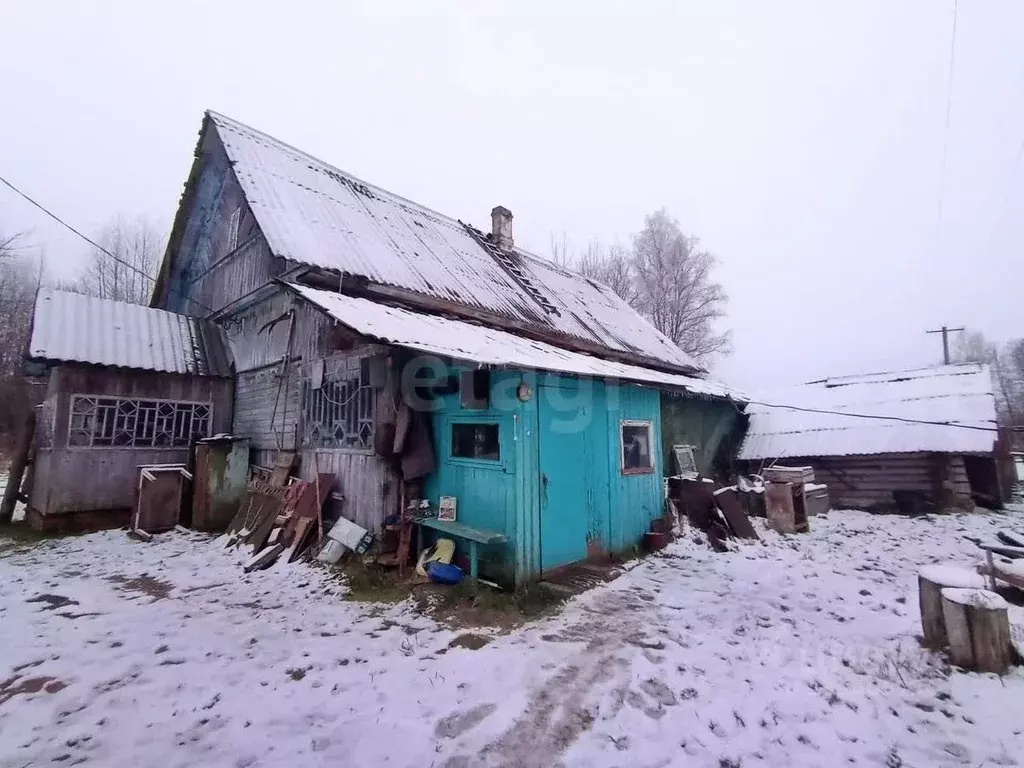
x: 77, y: 328
x: 951, y: 395
x: 313, y: 213
x: 460, y: 340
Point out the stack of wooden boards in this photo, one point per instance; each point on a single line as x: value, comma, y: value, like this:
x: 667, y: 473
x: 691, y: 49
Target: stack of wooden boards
x: 277, y: 521
x: 718, y: 512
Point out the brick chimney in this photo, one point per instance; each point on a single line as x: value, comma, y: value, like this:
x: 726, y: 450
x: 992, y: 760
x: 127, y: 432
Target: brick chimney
x: 501, y: 228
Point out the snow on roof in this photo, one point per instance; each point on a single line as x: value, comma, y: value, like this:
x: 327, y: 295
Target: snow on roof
x: 78, y: 328
x: 465, y: 341
x: 313, y: 213
x: 950, y: 395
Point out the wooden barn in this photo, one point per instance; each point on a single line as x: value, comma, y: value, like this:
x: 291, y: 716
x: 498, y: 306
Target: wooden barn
x: 882, y: 441
x: 126, y: 386
x: 412, y: 356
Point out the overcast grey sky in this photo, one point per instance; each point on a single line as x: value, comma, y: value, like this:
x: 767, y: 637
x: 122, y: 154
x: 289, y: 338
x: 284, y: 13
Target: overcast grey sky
x: 802, y: 141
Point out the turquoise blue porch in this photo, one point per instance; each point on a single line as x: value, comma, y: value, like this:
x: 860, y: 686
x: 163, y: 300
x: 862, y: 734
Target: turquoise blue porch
x: 553, y: 481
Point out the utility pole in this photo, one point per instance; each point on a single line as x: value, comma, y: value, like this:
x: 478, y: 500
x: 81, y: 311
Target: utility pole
x: 945, y: 340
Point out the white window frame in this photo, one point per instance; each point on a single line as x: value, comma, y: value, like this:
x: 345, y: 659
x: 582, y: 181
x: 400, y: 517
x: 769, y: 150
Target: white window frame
x: 695, y: 472
x: 135, y: 442
x: 649, y: 425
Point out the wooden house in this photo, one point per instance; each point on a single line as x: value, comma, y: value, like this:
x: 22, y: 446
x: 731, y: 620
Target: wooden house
x: 126, y: 386
x: 874, y: 439
x: 415, y: 356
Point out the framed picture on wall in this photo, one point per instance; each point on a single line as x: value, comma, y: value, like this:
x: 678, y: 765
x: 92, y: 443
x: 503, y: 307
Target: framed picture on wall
x: 446, y: 509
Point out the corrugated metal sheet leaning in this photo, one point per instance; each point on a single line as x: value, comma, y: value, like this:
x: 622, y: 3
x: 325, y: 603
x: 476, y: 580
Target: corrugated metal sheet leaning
x: 313, y: 213
x: 952, y: 397
x: 73, y: 327
x: 478, y: 344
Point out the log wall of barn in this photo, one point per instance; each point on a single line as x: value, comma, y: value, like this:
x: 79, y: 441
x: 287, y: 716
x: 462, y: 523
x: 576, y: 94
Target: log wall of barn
x: 862, y: 482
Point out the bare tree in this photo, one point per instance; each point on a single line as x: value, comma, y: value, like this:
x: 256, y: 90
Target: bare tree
x: 20, y: 274
x: 1010, y: 378
x: 560, y: 253
x: 9, y: 244
x: 1007, y: 365
x: 675, y: 287
x: 973, y: 347
x: 611, y: 266
x: 666, y: 277
x: 128, y: 277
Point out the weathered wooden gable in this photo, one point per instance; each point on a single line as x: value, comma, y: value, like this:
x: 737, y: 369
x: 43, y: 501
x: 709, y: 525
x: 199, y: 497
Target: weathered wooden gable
x: 216, y: 253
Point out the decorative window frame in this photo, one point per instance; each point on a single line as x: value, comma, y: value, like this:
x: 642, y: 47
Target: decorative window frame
x: 179, y: 434
x: 320, y: 410
x: 649, y: 425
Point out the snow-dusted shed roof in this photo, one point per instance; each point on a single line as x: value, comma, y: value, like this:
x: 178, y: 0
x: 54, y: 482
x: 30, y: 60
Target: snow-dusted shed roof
x: 72, y: 327
x: 951, y: 396
x: 479, y: 344
x: 313, y: 213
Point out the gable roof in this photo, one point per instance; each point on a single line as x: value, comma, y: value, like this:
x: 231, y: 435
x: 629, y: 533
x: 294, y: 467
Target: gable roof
x: 473, y: 343
x: 315, y: 214
x: 945, y: 396
x: 73, y: 327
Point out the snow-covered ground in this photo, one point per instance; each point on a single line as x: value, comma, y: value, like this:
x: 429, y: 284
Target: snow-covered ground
x: 800, y: 651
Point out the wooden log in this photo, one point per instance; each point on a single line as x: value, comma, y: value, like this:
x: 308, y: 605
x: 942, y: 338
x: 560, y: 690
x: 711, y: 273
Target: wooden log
x: 978, y: 627
x: 17, y: 469
x: 1012, y: 538
x: 930, y: 582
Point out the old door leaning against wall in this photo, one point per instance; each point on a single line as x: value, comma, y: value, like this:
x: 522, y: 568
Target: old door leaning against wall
x: 570, y: 435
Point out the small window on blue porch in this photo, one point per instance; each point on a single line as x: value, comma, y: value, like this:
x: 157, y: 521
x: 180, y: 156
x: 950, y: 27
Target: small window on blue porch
x: 475, y: 441
x: 636, y: 448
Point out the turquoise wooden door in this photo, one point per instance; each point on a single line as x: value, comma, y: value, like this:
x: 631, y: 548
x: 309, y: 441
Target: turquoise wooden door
x: 564, y: 422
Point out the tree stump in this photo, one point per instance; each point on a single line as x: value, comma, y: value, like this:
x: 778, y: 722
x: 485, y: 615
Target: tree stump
x: 978, y: 628
x: 930, y: 583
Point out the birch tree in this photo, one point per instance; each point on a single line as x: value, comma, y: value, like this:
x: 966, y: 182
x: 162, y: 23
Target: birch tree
x: 676, y: 289
x: 667, y: 277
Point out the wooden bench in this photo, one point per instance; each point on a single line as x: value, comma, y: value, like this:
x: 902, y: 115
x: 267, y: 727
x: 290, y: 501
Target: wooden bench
x: 475, y: 537
x: 1011, y: 573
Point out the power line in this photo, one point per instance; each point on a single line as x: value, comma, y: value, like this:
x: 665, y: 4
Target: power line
x: 877, y: 417
x: 97, y: 246
x: 949, y: 111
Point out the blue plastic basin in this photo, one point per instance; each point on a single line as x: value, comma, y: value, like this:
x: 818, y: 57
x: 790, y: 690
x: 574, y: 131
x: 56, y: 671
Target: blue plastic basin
x: 444, y: 573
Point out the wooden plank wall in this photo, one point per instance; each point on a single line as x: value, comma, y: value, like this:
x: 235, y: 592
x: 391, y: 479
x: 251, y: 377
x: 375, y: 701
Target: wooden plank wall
x: 267, y: 406
x: 238, y: 274
x: 102, y: 478
x: 368, y: 483
x: 860, y: 482
x: 205, y: 267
